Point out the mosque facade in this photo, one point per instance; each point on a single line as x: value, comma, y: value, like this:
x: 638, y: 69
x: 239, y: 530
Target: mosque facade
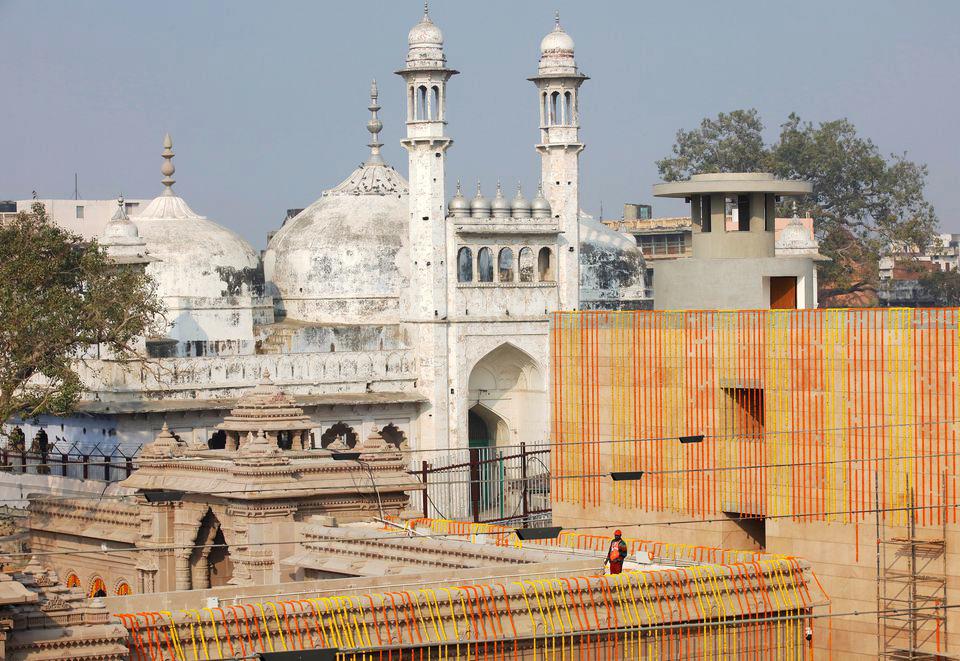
x: 387, y: 304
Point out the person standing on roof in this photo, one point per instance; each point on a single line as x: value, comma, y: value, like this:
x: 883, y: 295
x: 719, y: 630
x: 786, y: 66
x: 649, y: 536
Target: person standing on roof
x: 617, y: 553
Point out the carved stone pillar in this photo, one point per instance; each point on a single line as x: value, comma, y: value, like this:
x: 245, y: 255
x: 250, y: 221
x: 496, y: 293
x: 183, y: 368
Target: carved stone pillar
x: 183, y: 570
x: 200, y: 573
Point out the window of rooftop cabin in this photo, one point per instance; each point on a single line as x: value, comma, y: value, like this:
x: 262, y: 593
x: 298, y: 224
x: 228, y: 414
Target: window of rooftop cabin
x: 79, y: 212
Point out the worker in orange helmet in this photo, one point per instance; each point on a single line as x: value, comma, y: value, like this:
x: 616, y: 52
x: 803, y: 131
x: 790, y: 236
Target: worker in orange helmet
x: 617, y: 553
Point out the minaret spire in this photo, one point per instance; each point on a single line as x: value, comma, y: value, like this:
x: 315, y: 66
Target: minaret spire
x: 374, y: 125
x: 167, y: 169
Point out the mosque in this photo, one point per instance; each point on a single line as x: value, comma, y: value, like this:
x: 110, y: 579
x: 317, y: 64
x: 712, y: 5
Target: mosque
x: 388, y: 305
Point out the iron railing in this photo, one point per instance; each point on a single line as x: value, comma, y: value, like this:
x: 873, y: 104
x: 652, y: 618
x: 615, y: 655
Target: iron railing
x: 93, y: 464
x: 488, y: 485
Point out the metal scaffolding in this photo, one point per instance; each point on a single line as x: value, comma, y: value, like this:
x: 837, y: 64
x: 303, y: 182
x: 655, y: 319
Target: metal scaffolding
x: 911, y: 593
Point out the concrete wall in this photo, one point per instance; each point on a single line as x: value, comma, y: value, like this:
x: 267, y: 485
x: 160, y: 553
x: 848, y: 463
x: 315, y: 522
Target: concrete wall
x: 836, y: 388
x: 729, y: 284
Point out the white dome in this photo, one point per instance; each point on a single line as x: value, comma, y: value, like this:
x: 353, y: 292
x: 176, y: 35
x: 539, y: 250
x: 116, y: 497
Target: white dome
x: 556, y: 42
x: 343, y: 258
x: 612, y: 267
x: 196, y: 257
x: 425, y: 33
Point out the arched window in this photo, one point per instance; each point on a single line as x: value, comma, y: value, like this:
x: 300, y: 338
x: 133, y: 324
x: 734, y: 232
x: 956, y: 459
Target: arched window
x: 411, y: 104
x: 464, y: 265
x: 340, y: 435
x: 435, y: 103
x: 555, y: 108
x: 123, y: 589
x: 568, y: 108
x: 544, y: 111
x: 525, y: 264
x: 73, y: 581
x: 505, y: 265
x: 545, y: 265
x: 485, y: 265
x: 422, y: 102
x: 97, y: 588
x: 392, y: 435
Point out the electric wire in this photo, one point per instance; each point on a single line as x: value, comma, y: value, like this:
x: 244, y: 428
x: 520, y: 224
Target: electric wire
x: 505, y: 530
x: 415, y: 485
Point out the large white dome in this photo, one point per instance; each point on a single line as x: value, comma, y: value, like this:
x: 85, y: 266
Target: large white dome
x: 195, y: 257
x: 343, y: 258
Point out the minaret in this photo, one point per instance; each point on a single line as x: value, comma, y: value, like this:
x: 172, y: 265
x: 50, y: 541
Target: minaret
x: 426, y: 76
x: 558, y: 85
x: 425, y: 306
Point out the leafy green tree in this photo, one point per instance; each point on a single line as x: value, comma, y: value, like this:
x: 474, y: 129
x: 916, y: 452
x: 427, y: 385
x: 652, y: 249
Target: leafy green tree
x: 864, y: 205
x: 943, y: 287
x: 61, y: 298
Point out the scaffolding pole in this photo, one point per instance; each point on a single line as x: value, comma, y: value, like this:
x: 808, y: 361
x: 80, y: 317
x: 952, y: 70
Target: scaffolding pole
x: 911, y: 591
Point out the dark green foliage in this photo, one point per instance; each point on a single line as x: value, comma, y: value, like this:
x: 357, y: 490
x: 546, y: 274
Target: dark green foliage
x: 59, y: 298
x: 864, y: 205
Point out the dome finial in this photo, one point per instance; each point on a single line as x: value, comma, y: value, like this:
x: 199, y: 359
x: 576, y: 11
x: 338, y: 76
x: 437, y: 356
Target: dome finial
x: 167, y: 168
x: 374, y: 125
x: 426, y: 7
x: 459, y: 192
x: 794, y: 208
x: 121, y: 213
x: 556, y: 19
x: 479, y: 194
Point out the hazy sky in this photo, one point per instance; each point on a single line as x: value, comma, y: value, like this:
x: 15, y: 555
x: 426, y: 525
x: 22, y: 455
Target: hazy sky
x: 266, y: 101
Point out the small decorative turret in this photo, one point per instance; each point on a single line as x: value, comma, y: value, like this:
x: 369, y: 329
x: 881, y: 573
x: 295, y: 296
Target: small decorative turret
x: 540, y: 208
x: 480, y: 206
x: 520, y: 206
x: 459, y: 206
x: 500, y: 207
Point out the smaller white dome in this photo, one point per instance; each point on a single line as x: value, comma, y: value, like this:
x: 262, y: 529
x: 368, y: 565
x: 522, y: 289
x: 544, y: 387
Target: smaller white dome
x: 459, y: 206
x: 500, y: 207
x: 479, y: 205
x: 557, y: 41
x: 796, y: 239
x: 425, y: 33
x: 520, y: 206
x: 540, y: 207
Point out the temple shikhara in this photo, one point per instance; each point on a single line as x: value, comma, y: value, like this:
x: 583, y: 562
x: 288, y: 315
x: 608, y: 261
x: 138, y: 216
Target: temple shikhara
x: 438, y: 422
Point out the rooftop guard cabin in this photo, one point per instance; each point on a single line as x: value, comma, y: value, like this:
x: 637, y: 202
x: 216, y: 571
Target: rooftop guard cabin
x: 831, y: 434
x: 735, y: 265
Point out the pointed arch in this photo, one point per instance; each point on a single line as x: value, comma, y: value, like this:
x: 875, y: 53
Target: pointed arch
x: 510, y: 384
x: 210, y: 561
x: 98, y: 587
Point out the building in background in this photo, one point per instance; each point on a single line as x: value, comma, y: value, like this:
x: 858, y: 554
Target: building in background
x: 901, y: 272
x: 87, y: 218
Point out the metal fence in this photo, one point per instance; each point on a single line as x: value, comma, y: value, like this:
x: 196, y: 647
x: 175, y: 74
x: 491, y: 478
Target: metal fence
x: 94, y: 464
x: 488, y: 485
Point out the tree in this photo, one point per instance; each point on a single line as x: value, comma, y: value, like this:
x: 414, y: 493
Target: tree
x: 863, y: 205
x: 943, y: 287
x: 59, y: 297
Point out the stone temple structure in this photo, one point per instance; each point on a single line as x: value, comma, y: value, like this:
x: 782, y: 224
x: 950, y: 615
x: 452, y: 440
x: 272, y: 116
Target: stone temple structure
x: 390, y: 303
